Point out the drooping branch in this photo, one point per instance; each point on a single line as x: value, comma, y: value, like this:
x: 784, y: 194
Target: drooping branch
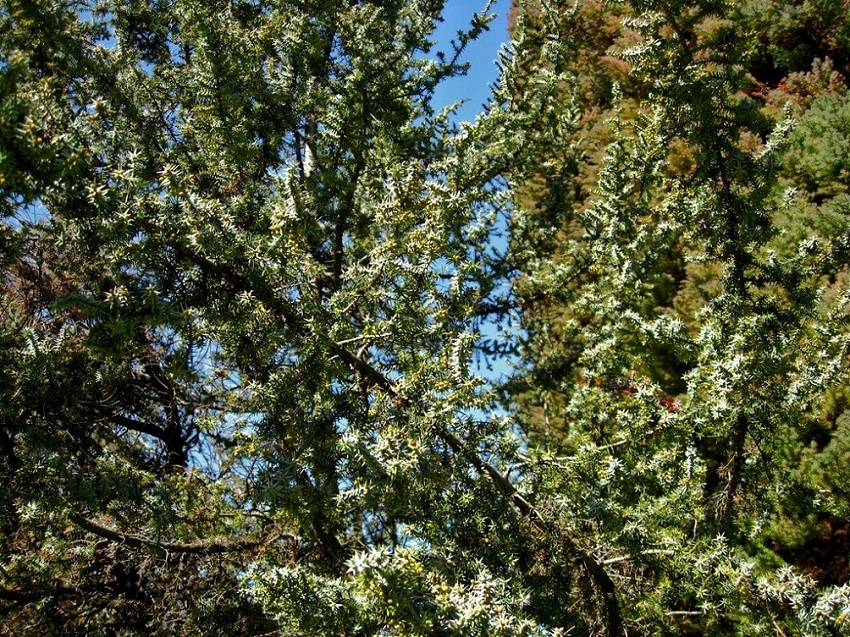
x: 211, y: 546
x: 597, y: 574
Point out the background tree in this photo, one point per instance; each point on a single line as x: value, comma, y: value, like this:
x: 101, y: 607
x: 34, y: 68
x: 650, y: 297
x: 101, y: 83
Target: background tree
x: 670, y: 373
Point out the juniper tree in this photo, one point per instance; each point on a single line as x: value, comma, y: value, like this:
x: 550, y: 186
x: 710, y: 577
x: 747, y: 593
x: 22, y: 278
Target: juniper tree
x: 244, y: 265
x: 677, y: 434
x: 245, y: 269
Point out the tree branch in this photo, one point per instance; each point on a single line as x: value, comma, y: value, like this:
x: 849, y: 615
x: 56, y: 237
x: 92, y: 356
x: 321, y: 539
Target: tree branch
x: 201, y: 547
x: 599, y: 577
x: 172, y: 437
x: 140, y: 426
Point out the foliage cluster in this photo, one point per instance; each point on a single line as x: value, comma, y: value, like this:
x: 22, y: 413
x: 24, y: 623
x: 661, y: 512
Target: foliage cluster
x: 692, y: 304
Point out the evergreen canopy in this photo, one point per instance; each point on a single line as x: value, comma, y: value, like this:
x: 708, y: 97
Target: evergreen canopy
x: 251, y: 278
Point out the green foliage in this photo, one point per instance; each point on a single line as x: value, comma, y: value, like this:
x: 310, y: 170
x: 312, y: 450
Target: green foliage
x: 403, y: 592
x: 818, y: 149
x: 788, y: 35
x: 254, y: 262
x: 678, y: 364
x: 246, y: 272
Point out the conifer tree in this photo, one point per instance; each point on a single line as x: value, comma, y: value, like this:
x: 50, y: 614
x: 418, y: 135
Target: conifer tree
x: 246, y: 272
x: 676, y: 430
x: 244, y: 265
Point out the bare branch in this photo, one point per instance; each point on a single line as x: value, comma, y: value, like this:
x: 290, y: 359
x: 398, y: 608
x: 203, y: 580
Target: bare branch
x: 211, y: 546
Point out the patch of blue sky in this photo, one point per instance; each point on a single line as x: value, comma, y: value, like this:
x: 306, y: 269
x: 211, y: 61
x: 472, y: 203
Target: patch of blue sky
x: 473, y: 89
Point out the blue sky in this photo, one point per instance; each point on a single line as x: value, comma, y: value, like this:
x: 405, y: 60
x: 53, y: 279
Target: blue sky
x: 475, y: 87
